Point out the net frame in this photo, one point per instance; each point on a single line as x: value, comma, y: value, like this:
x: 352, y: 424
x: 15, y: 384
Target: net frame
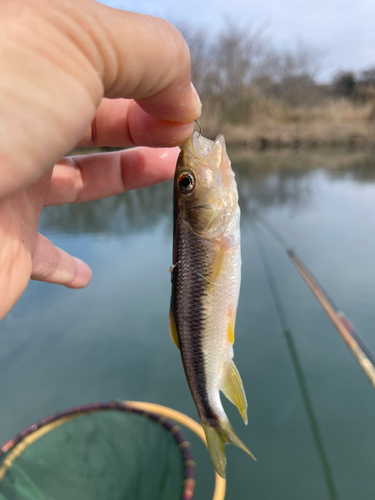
x: 18, y: 444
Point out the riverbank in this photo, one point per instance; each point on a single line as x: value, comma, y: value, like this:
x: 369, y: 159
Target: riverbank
x: 360, y: 162
x: 274, y: 126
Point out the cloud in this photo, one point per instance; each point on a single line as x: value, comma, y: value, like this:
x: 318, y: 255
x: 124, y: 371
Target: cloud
x: 343, y: 29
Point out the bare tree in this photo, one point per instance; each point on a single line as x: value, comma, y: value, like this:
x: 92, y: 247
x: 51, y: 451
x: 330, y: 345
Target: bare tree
x: 344, y: 84
x: 368, y: 76
x: 295, y: 74
x: 233, y: 68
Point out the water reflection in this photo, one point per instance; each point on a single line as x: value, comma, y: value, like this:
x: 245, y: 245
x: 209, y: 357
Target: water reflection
x: 264, y: 180
x: 360, y: 170
x: 130, y: 212
x: 261, y: 189
x: 62, y: 347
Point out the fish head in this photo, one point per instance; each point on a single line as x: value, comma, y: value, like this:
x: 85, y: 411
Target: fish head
x: 206, y: 194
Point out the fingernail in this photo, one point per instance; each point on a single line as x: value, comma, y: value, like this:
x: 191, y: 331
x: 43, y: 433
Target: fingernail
x: 195, y: 94
x: 83, y: 274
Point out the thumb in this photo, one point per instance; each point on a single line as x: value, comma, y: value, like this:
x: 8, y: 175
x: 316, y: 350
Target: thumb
x: 59, y: 62
x: 53, y: 265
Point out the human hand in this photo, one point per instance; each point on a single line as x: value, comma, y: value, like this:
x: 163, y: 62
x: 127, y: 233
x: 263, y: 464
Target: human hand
x: 79, y: 73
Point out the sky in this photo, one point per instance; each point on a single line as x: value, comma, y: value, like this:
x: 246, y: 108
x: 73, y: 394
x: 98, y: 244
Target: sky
x: 342, y: 30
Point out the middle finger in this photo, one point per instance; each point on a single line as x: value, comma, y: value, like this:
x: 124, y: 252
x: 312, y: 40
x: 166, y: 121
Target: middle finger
x: 86, y: 178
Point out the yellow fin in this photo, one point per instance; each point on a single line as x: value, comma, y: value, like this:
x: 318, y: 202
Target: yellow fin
x: 173, y: 329
x: 218, y: 265
x: 216, y: 438
x: 232, y: 322
x: 234, y: 391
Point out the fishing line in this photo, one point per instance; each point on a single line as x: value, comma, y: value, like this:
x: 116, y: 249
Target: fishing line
x: 303, y: 387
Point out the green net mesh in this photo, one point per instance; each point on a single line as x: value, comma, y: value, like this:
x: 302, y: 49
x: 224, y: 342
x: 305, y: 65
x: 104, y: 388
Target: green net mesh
x: 104, y: 455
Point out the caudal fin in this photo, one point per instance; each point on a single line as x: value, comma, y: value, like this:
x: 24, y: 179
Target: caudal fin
x: 217, y: 437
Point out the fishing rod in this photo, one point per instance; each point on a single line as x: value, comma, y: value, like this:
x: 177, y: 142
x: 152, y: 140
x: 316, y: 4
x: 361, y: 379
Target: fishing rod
x: 361, y: 352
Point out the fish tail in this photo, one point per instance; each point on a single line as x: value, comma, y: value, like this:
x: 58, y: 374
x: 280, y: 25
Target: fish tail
x: 217, y: 437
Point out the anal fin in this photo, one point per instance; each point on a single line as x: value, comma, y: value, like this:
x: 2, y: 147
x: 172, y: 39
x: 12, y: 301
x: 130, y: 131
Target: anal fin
x: 233, y: 389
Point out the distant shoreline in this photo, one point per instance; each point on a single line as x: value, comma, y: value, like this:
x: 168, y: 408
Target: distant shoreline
x: 331, y: 124
x: 272, y: 141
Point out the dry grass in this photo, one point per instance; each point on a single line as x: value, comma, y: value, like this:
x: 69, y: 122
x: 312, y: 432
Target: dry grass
x: 275, y: 124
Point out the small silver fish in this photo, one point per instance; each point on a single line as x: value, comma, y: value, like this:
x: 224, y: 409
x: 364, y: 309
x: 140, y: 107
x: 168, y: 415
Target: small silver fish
x: 206, y: 275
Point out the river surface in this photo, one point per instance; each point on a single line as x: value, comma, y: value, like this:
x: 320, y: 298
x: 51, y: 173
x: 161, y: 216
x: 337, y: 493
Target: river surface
x: 60, y: 348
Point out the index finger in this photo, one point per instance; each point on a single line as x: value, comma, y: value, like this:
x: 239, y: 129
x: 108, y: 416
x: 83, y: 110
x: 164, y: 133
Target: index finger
x: 122, y: 123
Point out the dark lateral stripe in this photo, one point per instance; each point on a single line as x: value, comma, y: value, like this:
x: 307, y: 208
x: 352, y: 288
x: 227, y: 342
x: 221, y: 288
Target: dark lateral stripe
x: 189, y: 287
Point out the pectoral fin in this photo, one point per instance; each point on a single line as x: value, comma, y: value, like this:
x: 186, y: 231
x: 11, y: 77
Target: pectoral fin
x: 173, y: 329
x: 232, y: 322
x: 218, y: 265
x: 233, y: 390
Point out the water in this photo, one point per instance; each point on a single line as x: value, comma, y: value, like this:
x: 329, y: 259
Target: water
x: 60, y: 347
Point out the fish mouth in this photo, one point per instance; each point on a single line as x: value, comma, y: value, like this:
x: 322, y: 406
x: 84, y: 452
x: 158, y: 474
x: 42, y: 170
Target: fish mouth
x: 203, y: 148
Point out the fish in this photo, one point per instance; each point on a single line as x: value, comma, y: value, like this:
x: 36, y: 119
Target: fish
x: 206, y: 275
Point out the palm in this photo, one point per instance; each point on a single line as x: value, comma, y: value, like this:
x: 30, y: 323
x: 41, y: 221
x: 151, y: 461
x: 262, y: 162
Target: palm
x: 72, y: 63
x: 19, y: 217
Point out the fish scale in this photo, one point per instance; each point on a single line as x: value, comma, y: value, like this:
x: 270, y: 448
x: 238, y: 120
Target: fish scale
x: 190, y: 316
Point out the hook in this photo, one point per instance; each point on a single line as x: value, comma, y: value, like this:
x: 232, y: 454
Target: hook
x: 200, y: 128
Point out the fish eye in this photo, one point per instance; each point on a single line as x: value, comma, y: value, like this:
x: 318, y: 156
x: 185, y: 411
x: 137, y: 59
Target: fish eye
x: 186, y: 182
